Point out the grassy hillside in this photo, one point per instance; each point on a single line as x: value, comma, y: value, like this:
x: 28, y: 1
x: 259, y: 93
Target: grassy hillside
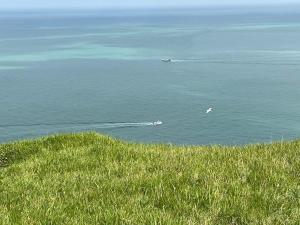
x: 94, y: 179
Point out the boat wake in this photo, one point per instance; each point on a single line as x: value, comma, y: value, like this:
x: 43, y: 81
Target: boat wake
x: 236, y: 62
x: 84, y: 125
x: 117, y: 125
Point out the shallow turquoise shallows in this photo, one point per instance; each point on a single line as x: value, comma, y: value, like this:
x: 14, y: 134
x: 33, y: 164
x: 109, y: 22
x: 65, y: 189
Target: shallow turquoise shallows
x: 102, y: 71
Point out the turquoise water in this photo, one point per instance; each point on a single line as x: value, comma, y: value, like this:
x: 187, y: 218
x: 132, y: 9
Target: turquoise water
x: 102, y: 71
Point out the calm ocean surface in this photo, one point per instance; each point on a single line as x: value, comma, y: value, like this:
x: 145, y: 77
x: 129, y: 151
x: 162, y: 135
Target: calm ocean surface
x: 102, y: 71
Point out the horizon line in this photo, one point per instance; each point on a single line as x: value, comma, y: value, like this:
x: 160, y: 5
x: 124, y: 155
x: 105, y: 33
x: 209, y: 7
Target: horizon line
x: 117, y: 8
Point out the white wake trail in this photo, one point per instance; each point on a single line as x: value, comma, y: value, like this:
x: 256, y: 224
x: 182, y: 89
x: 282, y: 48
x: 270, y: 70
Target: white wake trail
x: 120, y: 125
x: 82, y: 125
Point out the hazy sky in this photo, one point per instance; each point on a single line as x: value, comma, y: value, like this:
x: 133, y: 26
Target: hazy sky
x: 31, y: 4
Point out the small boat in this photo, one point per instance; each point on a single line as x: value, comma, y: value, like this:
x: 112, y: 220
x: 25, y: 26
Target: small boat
x: 166, y: 60
x: 209, y: 110
x: 156, y: 123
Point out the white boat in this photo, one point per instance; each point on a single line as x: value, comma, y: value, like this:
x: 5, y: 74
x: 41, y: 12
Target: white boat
x: 166, y: 60
x: 156, y: 123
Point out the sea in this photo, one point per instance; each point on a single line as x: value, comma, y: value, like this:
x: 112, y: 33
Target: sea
x: 102, y: 70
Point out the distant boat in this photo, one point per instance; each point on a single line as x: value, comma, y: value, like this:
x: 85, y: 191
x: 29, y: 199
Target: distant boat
x: 209, y: 110
x: 166, y: 60
x: 156, y: 123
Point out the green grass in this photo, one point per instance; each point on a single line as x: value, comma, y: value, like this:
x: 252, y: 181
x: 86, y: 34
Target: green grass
x: 93, y: 179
